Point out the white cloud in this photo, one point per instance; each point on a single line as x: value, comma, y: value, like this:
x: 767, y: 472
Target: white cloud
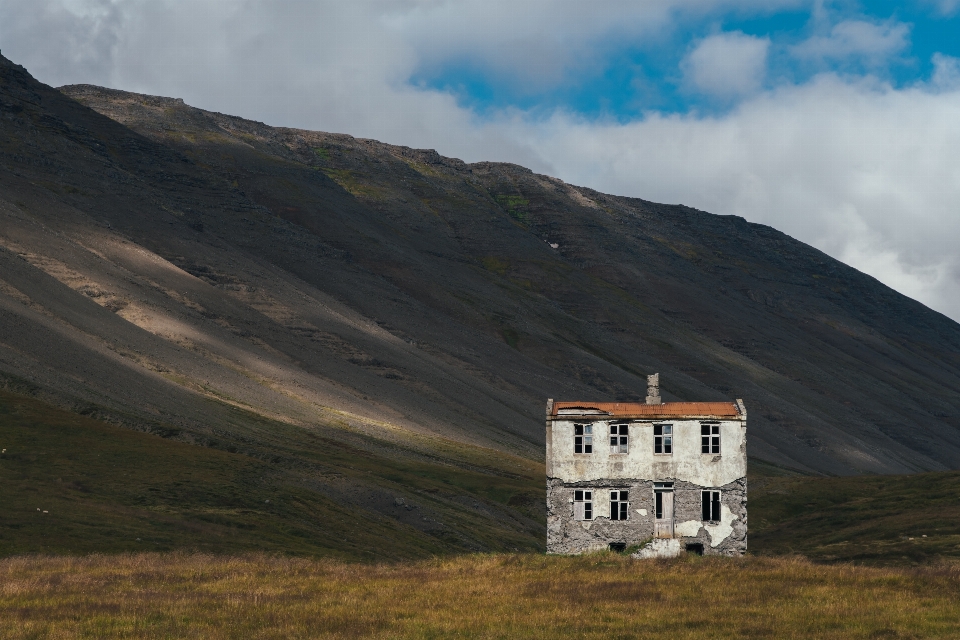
x: 538, y: 42
x: 76, y: 36
x: 866, y: 172
x: 946, y: 7
x: 727, y: 64
x: 946, y: 72
x: 867, y: 41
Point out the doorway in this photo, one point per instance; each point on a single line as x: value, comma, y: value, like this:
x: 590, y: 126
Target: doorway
x: 663, y: 509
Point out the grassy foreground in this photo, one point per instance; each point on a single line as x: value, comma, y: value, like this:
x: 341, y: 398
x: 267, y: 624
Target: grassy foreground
x: 498, y: 596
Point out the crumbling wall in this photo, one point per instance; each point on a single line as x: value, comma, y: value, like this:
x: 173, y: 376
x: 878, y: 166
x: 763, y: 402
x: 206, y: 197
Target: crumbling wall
x: 567, y: 535
x: 729, y: 536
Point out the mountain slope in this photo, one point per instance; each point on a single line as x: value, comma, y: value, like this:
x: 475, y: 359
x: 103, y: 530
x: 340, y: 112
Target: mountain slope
x: 73, y: 484
x: 169, y: 266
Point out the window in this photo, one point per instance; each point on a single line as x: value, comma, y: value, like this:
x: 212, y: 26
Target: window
x: 618, y: 438
x: 709, y: 438
x: 619, y: 506
x: 663, y: 438
x: 583, y: 438
x: 711, y: 505
x: 583, y: 505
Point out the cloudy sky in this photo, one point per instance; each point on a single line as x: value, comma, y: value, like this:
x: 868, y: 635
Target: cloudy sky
x: 835, y: 122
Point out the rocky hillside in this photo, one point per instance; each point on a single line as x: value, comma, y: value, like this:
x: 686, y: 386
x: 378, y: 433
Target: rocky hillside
x: 191, y: 273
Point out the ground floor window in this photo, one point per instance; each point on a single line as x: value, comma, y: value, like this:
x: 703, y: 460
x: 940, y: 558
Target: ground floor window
x: 582, y: 505
x: 711, y: 506
x: 619, y: 505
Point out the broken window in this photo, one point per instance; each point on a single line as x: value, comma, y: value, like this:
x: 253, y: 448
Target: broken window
x: 711, y: 505
x: 618, y: 438
x: 663, y: 438
x: 619, y: 506
x: 709, y: 438
x: 582, y: 505
x: 583, y: 438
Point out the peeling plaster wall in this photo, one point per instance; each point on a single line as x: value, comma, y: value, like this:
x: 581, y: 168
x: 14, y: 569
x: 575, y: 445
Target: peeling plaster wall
x: 636, y: 471
x: 686, y: 462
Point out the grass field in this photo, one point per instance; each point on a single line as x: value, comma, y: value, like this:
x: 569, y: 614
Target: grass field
x: 498, y: 596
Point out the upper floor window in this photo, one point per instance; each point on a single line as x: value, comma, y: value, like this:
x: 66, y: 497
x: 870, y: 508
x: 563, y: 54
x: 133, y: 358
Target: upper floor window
x: 710, y: 501
x: 583, y: 438
x: 619, y: 505
x: 663, y: 438
x: 709, y: 438
x: 582, y: 505
x: 618, y: 438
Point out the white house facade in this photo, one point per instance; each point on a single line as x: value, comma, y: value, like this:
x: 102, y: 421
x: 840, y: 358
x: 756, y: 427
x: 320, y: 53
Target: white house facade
x: 662, y: 478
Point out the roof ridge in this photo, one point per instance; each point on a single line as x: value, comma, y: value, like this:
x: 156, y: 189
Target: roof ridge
x: 679, y: 408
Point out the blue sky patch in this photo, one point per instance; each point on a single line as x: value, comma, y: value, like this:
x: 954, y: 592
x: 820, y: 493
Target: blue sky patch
x: 889, y: 41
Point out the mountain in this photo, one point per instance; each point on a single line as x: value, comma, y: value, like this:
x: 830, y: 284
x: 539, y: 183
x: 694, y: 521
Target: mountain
x: 202, y: 276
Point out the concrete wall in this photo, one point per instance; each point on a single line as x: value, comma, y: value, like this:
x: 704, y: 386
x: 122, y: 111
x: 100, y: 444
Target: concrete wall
x: 686, y: 463
x: 636, y: 471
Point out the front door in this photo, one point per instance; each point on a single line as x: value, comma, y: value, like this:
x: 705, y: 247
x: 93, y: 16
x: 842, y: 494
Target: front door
x: 663, y: 524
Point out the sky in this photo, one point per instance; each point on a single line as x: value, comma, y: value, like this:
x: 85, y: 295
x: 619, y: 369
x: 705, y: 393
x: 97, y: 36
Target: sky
x: 837, y: 123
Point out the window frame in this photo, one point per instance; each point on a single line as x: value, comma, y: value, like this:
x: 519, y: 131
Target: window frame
x: 583, y: 505
x: 710, y: 439
x: 619, y: 505
x: 710, y: 500
x: 583, y: 438
x: 663, y: 441
x: 619, y: 438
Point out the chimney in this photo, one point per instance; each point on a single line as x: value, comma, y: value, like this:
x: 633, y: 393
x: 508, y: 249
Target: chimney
x: 653, y: 389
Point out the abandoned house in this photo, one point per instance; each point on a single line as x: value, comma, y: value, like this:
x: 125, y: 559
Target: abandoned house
x: 669, y: 477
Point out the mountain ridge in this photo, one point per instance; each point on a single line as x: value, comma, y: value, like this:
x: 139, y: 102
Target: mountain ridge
x: 313, y: 277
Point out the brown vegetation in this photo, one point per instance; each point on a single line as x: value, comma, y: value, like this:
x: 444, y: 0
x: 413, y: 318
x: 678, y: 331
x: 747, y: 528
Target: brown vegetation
x: 500, y: 596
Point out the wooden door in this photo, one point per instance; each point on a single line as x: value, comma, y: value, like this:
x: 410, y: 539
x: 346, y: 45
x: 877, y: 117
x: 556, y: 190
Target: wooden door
x: 663, y: 525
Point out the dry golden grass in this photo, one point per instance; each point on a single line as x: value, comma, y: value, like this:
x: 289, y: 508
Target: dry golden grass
x: 497, y: 596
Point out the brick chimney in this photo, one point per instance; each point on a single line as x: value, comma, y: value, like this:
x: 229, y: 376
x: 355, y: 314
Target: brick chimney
x: 653, y: 389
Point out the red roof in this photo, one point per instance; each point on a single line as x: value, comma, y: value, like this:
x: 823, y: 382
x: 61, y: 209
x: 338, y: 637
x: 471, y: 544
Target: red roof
x: 665, y: 410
